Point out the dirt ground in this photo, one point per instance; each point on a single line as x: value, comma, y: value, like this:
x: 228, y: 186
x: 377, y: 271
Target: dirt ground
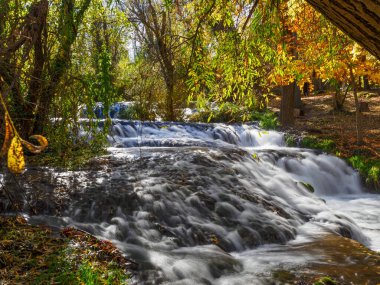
x: 322, y: 121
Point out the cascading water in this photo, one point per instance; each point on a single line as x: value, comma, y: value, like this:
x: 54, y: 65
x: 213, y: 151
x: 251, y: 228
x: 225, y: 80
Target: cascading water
x: 209, y: 203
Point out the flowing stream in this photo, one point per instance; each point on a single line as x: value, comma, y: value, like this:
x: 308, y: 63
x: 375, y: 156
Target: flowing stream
x: 210, y: 203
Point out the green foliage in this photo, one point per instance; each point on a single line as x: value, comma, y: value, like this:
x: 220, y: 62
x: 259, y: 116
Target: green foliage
x: 283, y: 276
x: 68, y: 150
x: 227, y: 112
x: 145, y: 87
x: 368, y: 168
x: 326, y: 281
x: 267, y: 120
x: 64, y: 271
x: 209, y: 51
x: 34, y: 255
x: 308, y: 186
x: 137, y: 112
x: 316, y: 143
x: 290, y: 140
x: 232, y: 113
x: 231, y: 65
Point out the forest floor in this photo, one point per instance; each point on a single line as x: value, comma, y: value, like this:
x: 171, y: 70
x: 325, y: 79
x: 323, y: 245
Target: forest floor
x: 322, y: 121
x: 40, y: 255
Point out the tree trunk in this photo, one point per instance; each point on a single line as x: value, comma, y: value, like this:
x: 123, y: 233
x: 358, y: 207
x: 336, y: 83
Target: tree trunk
x: 287, y: 105
x: 71, y: 19
x: 339, y: 98
x: 297, y: 97
x: 366, y: 83
x: 359, y: 19
x: 359, y: 130
x: 169, y: 103
x: 36, y: 79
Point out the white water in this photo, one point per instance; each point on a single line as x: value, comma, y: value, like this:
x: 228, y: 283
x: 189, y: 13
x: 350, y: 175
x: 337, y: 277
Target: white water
x: 215, y: 204
x: 364, y: 210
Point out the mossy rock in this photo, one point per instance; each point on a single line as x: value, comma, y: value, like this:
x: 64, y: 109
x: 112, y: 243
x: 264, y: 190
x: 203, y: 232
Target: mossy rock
x: 308, y: 186
x: 326, y: 281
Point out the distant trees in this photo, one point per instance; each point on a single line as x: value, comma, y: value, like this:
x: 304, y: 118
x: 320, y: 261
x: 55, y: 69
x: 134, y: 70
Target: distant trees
x: 56, y: 56
x: 319, y: 49
x: 32, y: 62
x: 153, y: 23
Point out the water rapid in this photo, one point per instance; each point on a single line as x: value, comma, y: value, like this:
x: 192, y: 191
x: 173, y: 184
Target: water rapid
x: 208, y: 203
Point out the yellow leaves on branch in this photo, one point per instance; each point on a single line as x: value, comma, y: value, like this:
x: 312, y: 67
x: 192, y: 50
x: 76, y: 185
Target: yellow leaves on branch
x: 34, y: 148
x: 13, y: 145
x: 16, y: 161
x: 8, y: 135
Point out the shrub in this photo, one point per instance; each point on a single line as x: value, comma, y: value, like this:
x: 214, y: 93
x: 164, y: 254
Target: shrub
x: 268, y: 121
x: 290, y: 140
x: 315, y: 143
x: 368, y: 168
x: 137, y: 112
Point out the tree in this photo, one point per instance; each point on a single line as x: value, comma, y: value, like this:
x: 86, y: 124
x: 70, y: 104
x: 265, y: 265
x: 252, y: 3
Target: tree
x: 153, y: 23
x: 32, y: 62
x: 359, y: 19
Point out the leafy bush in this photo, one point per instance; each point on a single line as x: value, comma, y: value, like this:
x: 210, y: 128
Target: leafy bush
x: 290, y: 140
x: 268, y: 121
x: 226, y: 113
x: 315, y: 143
x: 137, y: 112
x: 130, y: 113
x: 369, y: 169
x: 233, y: 113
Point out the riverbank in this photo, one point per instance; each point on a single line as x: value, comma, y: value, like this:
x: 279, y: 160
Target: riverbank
x: 40, y: 255
x: 327, y: 125
x: 199, y: 176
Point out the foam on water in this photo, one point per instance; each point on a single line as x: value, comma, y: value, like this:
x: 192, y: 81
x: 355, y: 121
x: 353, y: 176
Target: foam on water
x: 364, y: 210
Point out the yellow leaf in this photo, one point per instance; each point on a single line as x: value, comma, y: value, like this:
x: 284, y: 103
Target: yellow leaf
x: 34, y: 148
x: 8, y: 135
x: 16, y: 161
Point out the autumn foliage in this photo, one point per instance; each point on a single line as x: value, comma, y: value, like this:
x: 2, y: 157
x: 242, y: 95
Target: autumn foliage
x: 13, y: 144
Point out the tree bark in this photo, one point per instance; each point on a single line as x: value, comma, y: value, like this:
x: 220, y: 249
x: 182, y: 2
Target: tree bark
x: 366, y: 85
x: 359, y: 129
x: 359, y: 19
x: 71, y: 19
x: 287, y: 105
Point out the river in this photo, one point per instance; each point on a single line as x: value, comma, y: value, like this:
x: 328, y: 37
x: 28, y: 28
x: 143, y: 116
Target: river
x: 214, y: 204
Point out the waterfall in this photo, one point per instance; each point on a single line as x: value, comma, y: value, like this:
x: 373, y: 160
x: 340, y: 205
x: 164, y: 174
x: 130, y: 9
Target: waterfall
x: 207, y: 203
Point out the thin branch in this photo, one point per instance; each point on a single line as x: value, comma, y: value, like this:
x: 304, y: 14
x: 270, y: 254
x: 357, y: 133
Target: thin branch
x: 253, y: 8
